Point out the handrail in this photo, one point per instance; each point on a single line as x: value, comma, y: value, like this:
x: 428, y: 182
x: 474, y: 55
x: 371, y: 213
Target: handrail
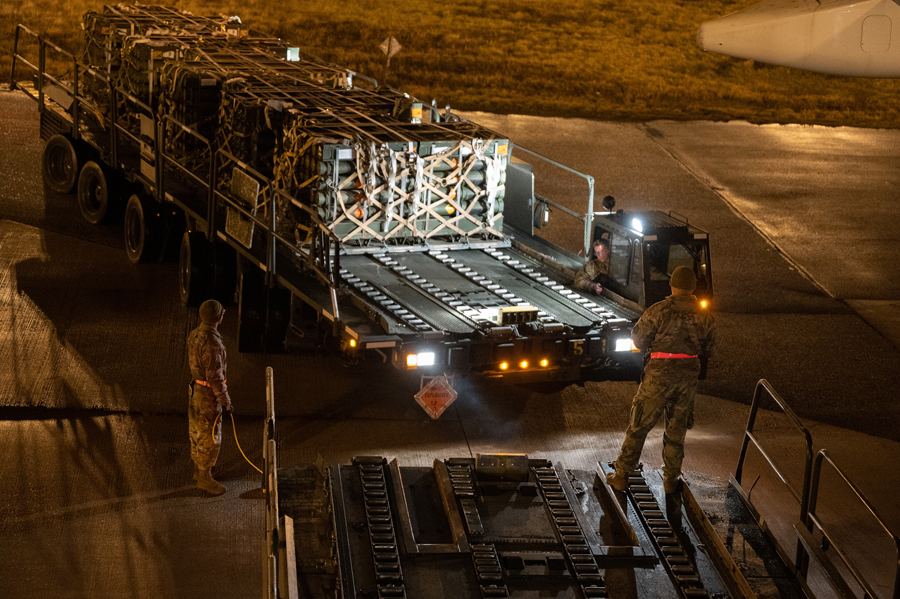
x: 811, y: 519
x: 271, y: 233
x: 38, y: 69
x: 270, y: 487
x: 588, y: 216
x: 803, y: 496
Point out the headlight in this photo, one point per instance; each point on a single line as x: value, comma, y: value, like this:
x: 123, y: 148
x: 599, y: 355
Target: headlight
x: 425, y: 358
x: 625, y: 344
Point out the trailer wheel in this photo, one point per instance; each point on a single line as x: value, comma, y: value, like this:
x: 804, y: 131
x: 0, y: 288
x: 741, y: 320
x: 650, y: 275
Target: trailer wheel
x: 143, y: 230
x: 60, y: 164
x: 195, y: 268
x: 97, y: 193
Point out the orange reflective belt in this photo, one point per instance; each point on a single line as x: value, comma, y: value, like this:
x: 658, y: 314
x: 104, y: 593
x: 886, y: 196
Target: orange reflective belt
x: 204, y: 383
x: 662, y: 354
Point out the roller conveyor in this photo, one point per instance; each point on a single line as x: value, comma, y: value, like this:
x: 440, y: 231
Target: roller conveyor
x: 449, y: 290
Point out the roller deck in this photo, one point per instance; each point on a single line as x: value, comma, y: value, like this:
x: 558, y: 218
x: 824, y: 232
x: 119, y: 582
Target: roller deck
x: 500, y: 526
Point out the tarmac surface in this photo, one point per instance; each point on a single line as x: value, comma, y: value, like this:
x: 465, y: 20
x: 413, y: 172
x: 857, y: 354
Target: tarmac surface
x: 96, y: 491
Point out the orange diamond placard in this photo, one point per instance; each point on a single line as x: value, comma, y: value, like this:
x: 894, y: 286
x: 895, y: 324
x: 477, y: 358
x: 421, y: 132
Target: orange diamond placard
x: 436, y: 396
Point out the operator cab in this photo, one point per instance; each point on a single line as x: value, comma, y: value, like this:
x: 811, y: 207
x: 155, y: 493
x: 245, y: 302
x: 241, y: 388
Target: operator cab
x: 645, y: 249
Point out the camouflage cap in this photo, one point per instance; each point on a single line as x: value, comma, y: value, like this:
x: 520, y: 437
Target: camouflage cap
x: 211, y: 311
x: 683, y: 278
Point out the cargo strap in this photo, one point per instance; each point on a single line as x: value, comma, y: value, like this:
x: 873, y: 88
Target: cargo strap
x: 667, y: 544
x: 382, y: 536
x: 663, y: 355
x: 578, y: 552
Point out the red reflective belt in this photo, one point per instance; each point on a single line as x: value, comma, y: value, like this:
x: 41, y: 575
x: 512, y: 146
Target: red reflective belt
x: 204, y: 383
x: 662, y: 354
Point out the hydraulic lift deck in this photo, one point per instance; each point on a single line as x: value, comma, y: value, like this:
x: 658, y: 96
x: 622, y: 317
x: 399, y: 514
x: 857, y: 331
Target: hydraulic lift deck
x: 503, y: 525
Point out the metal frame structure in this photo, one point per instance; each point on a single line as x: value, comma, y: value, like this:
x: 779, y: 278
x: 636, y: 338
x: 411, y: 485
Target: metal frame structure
x: 807, y: 498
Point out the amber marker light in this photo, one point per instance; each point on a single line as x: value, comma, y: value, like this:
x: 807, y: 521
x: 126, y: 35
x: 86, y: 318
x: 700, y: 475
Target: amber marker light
x: 412, y: 360
x: 545, y: 362
x: 704, y: 303
x: 353, y: 343
x: 504, y: 365
x: 523, y: 364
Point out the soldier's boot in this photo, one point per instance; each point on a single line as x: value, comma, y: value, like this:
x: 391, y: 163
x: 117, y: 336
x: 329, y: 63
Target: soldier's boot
x: 671, y: 485
x: 206, y: 482
x: 617, y: 481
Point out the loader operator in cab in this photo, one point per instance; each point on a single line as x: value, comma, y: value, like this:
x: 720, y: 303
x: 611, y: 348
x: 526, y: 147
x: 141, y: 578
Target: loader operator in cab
x: 588, y: 276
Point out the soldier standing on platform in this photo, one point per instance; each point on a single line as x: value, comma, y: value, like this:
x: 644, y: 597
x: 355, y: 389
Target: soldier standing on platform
x: 680, y: 337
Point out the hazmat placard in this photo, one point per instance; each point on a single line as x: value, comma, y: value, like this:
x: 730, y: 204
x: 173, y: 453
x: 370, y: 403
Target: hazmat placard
x: 390, y: 46
x: 436, y: 396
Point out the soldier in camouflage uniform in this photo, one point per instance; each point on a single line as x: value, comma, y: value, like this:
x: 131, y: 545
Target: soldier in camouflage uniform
x: 208, y: 394
x: 587, y: 275
x: 680, y: 337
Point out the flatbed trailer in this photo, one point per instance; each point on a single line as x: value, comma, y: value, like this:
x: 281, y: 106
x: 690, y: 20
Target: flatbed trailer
x: 337, y: 213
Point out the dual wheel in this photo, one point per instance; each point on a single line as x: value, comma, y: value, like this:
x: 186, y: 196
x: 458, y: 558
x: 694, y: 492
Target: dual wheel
x: 206, y: 270
x: 69, y: 165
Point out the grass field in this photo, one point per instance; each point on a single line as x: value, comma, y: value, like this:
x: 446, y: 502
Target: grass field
x: 604, y: 60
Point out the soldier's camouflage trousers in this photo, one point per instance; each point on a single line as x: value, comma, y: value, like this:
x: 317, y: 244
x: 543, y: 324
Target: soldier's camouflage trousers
x: 202, y: 412
x: 668, y: 389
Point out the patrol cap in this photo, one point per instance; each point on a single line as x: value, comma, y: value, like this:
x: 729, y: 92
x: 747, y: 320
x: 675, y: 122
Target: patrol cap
x: 211, y: 311
x: 683, y: 278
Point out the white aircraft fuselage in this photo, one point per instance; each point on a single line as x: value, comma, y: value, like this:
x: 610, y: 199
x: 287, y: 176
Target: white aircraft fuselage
x: 842, y: 37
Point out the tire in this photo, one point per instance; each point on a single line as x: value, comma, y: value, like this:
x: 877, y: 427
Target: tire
x: 143, y: 230
x: 97, y: 193
x: 60, y: 164
x: 194, y: 269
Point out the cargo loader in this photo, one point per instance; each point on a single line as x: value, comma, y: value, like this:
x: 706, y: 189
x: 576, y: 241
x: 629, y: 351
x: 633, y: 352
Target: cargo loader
x: 337, y: 213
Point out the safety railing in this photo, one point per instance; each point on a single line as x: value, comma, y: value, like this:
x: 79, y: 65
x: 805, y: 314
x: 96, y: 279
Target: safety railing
x: 807, y: 526
x: 322, y: 257
x: 808, y: 497
x: 270, y: 485
x: 586, y: 218
x: 43, y: 76
x: 763, y: 390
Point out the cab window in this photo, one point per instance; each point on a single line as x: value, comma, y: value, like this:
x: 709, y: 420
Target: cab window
x: 620, y: 254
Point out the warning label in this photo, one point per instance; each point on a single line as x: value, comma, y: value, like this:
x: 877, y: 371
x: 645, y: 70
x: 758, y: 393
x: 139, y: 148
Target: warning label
x: 436, y: 396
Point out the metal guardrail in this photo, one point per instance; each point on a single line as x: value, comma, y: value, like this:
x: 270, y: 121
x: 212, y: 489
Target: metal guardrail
x: 270, y: 486
x: 764, y: 389
x: 807, y: 498
x: 589, y: 215
x: 807, y: 525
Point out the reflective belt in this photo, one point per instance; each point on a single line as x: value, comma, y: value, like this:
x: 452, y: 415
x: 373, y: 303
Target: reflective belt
x: 204, y: 383
x: 662, y: 354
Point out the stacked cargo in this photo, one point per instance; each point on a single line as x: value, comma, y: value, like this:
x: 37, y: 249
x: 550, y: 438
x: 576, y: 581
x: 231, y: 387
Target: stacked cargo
x: 366, y: 163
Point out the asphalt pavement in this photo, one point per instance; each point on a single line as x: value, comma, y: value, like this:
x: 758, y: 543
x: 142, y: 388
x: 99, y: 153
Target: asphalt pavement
x: 97, y: 499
